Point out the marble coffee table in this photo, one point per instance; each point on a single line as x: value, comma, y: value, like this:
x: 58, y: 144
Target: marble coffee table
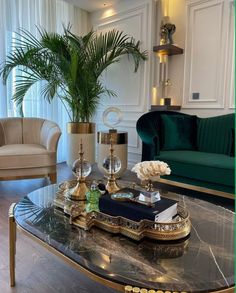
x: 203, y: 262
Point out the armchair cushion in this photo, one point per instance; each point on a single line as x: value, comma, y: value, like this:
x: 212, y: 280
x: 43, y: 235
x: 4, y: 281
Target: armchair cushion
x: 31, y: 130
x: 23, y: 156
x: 12, y: 130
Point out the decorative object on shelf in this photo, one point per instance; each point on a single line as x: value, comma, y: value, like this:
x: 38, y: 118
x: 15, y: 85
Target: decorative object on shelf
x: 165, y: 49
x: 167, y: 101
x: 112, y: 165
x: 163, y: 35
x: 167, y: 31
x: 92, y: 197
x: 81, y: 169
x: 112, y: 117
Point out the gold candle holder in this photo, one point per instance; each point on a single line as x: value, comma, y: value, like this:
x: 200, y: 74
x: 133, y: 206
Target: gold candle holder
x: 111, y: 185
x: 79, y: 191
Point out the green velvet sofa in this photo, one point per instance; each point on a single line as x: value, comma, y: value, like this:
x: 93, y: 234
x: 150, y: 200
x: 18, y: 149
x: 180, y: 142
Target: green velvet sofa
x: 207, y: 162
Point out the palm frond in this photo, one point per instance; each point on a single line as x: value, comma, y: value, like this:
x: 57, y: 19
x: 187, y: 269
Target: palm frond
x: 108, y: 48
x: 49, y: 90
x: 25, y: 39
x: 22, y: 85
x: 71, y: 66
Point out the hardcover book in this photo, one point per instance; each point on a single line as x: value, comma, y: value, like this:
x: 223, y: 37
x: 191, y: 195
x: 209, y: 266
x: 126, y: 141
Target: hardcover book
x: 161, y: 211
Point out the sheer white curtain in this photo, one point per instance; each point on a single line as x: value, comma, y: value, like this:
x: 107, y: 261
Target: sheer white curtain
x: 28, y: 14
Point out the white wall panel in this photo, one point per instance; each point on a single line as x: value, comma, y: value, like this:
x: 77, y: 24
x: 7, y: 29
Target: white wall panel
x: 133, y: 90
x: 179, y: 15
x: 230, y: 80
x: 205, y: 54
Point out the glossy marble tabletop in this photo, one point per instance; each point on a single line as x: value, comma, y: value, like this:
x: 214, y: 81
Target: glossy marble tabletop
x: 202, y: 262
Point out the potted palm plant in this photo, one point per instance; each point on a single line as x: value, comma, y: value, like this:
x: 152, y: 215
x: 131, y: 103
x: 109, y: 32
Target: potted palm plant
x: 71, y: 66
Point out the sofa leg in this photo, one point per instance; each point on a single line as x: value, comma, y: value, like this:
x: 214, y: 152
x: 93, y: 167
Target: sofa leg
x: 53, y: 177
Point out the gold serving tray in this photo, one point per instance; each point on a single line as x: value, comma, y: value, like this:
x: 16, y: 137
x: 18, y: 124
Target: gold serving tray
x: 175, y: 230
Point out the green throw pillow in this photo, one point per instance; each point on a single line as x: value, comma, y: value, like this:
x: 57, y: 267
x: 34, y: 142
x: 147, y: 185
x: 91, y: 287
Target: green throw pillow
x: 180, y: 132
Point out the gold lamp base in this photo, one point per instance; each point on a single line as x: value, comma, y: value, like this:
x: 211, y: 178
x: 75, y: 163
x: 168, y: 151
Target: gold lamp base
x: 79, y: 191
x: 111, y: 185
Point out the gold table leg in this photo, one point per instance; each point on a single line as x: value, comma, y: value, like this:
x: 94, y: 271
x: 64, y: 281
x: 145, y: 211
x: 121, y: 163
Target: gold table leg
x: 12, y: 244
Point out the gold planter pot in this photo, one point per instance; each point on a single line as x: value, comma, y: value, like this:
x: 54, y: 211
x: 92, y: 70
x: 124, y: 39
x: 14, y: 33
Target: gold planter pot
x: 77, y: 131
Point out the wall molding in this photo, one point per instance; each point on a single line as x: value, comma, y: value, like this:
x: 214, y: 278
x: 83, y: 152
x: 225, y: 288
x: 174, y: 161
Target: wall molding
x: 142, y: 12
x: 230, y: 64
x: 217, y: 96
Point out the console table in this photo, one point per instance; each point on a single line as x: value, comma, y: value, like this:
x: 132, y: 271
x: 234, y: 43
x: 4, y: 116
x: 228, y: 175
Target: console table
x: 203, y: 262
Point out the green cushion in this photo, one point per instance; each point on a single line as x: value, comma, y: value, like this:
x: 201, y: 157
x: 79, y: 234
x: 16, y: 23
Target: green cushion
x: 214, y: 134
x: 179, y: 132
x: 208, y: 167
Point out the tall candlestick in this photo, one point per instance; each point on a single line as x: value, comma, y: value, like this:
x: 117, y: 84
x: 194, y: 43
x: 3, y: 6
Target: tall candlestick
x: 154, y: 95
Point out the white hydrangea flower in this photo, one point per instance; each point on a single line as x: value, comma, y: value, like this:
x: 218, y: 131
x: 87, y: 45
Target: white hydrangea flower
x: 147, y: 170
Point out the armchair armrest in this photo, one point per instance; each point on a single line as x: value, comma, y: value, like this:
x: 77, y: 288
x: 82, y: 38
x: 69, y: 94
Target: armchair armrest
x: 50, y: 134
x: 2, y: 136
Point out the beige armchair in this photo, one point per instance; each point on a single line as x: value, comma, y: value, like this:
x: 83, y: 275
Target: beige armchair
x: 28, y: 148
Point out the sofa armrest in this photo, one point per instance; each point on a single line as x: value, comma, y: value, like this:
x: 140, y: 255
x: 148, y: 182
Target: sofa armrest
x: 150, y: 129
x: 150, y: 149
x: 147, y: 129
x: 50, y: 134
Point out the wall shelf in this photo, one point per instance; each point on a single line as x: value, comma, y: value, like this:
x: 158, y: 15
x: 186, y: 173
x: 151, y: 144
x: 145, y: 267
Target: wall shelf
x: 165, y: 108
x: 168, y: 49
